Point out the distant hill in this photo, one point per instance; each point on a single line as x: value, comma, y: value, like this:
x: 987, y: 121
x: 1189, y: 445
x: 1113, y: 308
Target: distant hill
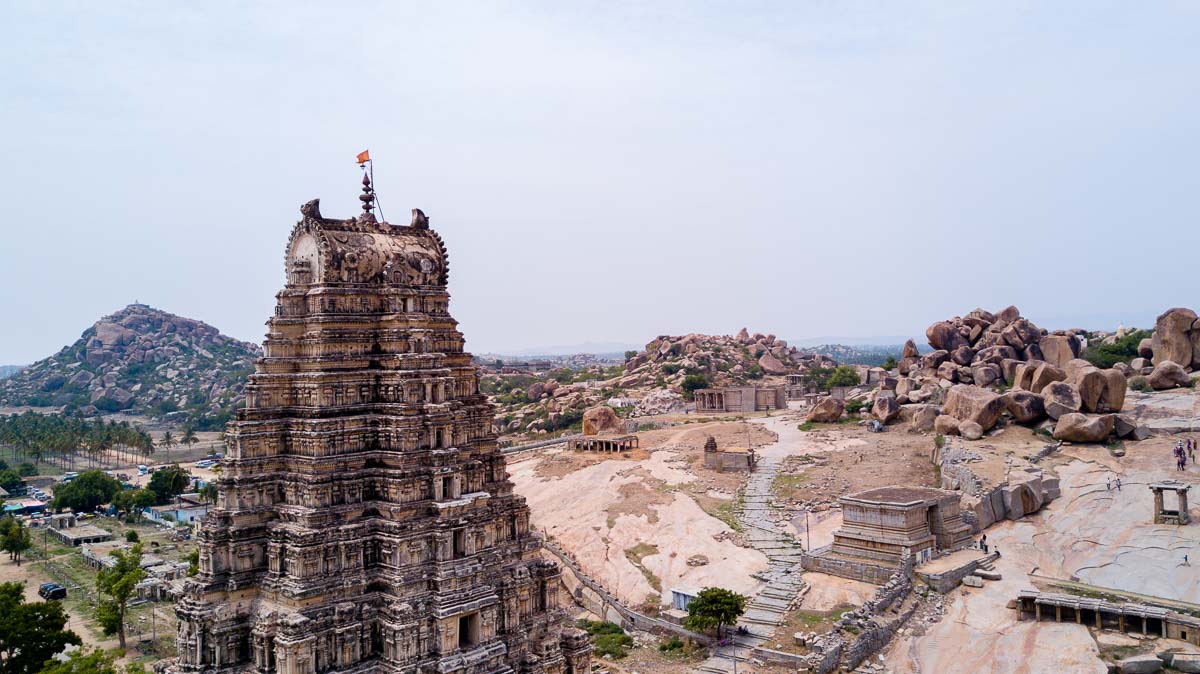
x: 142, y: 360
x: 7, y: 371
x: 862, y: 354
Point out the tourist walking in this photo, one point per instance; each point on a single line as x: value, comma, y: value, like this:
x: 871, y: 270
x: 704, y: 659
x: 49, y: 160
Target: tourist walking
x: 1108, y: 484
x: 1118, y: 484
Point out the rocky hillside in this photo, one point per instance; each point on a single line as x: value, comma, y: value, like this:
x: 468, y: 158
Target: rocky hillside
x: 7, y: 371
x: 141, y: 360
x: 723, y: 360
x: 657, y: 380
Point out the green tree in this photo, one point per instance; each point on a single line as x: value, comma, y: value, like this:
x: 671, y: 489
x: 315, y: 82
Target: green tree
x: 843, y: 375
x: 91, y: 662
x: 693, y: 383
x: 168, y: 483
x: 714, y: 607
x: 193, y: 560
x: 30, y: 633
x: 131, y: 536
x: 84, y: 493
x: 118, y: 583
x: 27, y: 470
x: 15, y: 538
x: 890, y: 363
x: 9, y: 480
x: 189, y: 437
x: 630, y: 355
x: 209, y: 492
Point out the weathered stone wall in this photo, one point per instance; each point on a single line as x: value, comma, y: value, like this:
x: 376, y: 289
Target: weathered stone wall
x: 874, y: 640
x: 944, y: 582
x: 853, y: 569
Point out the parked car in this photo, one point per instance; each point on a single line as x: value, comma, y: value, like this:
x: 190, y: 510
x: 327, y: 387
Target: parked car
x: 142, y: 469
x: 52, y: 591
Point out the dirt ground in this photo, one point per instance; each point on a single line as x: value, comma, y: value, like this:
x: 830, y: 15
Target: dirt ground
x: 840, y: 466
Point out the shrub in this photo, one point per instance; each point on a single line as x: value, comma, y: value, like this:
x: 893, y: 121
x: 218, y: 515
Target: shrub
x: 1123, y: 350
x: 806, y: 426
x: 843, y: 375
x: 27, y: 470
x: 671, y: 368
x: 607, y: 638
x: 939, y: 441
x: 131, y: 536
x: 755, y: 371
x: 855, y: 406
x: 1139, y: 383
x: 890, y: 363
x: 691, y: 383
x: 630, y: 355
x: 671, y: 645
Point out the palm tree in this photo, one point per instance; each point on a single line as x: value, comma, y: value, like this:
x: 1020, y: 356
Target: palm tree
x: 189, y: 437
x: 167, y: 442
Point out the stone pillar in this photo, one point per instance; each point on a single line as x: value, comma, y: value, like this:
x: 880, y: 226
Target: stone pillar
x: 1037, y: 612
x: 1057, y: 613
x: 1184, y: 518
x: 1099, y: 623
x: 1121, y: 621
x: 1158, y: 505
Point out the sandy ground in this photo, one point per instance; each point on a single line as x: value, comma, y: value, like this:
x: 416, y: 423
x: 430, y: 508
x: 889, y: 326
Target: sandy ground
x: 827, y: 592
x: 611, y: 511
x: 27, y: 573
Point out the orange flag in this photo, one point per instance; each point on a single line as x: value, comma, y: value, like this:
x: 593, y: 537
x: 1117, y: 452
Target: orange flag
x: 364, y: 156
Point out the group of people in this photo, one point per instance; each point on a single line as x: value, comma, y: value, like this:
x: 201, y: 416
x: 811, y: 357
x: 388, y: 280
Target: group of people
x: 1108, y: 484
x: 1183, y: 452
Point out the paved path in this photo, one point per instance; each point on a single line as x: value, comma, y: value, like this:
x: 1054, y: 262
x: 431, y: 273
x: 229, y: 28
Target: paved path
x: 766, y: 609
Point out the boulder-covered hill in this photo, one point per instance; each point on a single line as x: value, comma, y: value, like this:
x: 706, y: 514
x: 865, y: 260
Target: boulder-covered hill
x: 142, y: 360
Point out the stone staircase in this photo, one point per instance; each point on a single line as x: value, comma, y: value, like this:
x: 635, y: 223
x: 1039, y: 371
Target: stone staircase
x: 767, y: 608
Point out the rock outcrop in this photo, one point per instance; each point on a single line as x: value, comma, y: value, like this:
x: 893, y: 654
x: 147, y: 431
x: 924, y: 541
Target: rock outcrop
x: 971, y: 403
x: 1168, y: 374
x: 827, y: 410
x: 601, y: 420
x: 1077, y: 427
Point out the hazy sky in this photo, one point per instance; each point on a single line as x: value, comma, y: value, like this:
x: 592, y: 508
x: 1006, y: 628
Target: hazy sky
x: 608, y: 171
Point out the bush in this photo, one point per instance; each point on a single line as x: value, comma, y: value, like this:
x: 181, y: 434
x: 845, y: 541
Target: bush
x: 1123, y: 350
x: 806, y: 426
x: 855, y: 406
x: 670, y: 645
x: 27, y: 470
x: 671, y: 368
x: 890, y: 363
x: 755, y: 371
x: 692, y: 383
x: 1139, y: 383
x: 843, y: 375
x: 939, y: 441
x: 131, y: 536
x: 607, y: 638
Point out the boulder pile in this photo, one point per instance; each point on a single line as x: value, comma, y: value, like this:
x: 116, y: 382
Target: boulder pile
x: 986, y: 367
x: 724, y: 359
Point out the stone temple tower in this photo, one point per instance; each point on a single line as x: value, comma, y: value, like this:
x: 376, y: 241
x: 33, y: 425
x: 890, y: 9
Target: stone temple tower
x: 365, y: 521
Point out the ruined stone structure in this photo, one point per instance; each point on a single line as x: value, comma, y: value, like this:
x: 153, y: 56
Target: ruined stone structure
x: 729, y: 458
x: 1165, y: 515
x: 740, y: 399
x: 883, y: 523
x: 881, y: 527
x: 1141, y: 619
x: 365, y: 521
x: 603, y: 443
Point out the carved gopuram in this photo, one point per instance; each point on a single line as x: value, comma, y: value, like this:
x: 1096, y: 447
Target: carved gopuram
x: 366, y: 522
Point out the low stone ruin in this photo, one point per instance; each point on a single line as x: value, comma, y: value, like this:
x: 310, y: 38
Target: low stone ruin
x: 1025, y: 489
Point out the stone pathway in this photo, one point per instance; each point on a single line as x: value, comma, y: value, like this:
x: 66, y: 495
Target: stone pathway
x: 767, y: 608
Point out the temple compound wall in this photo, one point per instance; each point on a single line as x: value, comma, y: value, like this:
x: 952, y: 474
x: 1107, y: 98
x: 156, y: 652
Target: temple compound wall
x: 739, y: 399
x: 365, y: 520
